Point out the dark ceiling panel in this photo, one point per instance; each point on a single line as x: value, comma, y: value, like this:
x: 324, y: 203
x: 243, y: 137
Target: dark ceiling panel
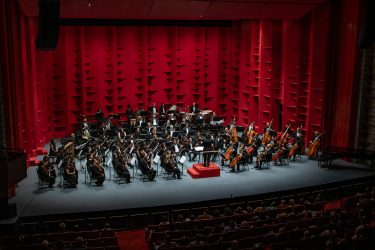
x: 179, y: 9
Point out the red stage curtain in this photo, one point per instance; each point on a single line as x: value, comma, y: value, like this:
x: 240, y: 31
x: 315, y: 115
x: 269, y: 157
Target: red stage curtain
x: 255, y: 69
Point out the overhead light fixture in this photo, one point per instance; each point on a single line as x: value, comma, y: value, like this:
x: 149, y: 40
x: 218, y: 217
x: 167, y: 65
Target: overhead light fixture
x: 89, y: 3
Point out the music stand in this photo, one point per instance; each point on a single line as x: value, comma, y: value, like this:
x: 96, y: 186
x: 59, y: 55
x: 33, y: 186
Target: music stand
x: 181, y: 162
x: 199, y: 149
x: 107, y: 165
x: 117, y: 116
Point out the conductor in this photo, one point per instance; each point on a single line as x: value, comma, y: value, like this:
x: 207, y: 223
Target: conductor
x: 208, y: 145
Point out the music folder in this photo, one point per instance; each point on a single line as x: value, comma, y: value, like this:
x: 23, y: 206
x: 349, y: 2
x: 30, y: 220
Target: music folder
x: 156, y: 159
x: 182, y: 159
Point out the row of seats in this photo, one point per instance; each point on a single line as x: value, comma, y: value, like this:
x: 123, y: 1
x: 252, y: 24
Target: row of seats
x: 259, y: 224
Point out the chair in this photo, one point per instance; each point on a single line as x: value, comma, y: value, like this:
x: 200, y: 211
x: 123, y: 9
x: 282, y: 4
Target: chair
x: 119, y: 222
x: 109, y: 241
x: 98, y: 222
x: 41, y: 183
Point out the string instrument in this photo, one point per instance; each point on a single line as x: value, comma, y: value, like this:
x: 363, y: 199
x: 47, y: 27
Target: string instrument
x: 251, y: 149
x: 234, y: 136
x: 251, y: 133
x: 276, y: 156
x: 293, y: 150
x: 235, y: 160
x: 228, y: 153
x: 283, y: 137
x: 266, y: 136
x: 313, y: 148
x: 262, y: 155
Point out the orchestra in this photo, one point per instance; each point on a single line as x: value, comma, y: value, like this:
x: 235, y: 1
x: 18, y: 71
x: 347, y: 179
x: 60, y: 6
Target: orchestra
x: 171, y: 134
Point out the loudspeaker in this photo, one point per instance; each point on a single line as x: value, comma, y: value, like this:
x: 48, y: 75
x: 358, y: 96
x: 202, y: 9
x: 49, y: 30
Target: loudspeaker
x: 366, y: 34
x: 48, y: 32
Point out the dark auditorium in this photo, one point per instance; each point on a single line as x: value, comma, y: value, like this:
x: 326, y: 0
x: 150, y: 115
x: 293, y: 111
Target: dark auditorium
x: 187, y: 124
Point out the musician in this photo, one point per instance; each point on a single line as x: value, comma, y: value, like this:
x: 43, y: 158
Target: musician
x: 121, y: 135
x: 144, y: 164
x: 170, y: 164
x: 154, y: 120
x: 234, y: 121
x: 240, y: 158
x: 194, y: 108
x: 148, y: 128
x: 70, y: 173
x: 129, y: 112
x: 85, y: 124
x: 153, y: 109
x: 208, y: 145
x: 97, y: 171
x: 172, y: 118
x: 189, y: 145
x: 162, y: 109
x: 314, y: 145
x: 52, y: 149
x: 86, y: 134
x: 186, y: 130
x: 264, y: 155
x: 46, y: 171
x: 120, y: 163
x: 298, y: 141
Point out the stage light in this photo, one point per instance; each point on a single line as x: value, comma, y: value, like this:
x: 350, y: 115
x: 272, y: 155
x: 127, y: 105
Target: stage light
x: 89, y: 3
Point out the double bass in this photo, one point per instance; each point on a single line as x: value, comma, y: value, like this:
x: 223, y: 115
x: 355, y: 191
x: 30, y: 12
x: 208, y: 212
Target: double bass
x: 266, y: 136
x: 251, y: 133
x: 234, y: 136
x: 313, y: 148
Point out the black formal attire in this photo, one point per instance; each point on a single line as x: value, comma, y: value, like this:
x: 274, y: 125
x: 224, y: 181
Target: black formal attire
x: 149, y: 172
x: 153, y: 110
x: 162, y: 110
x: 71, y: 178
x: 129, y: 113
x: 207, y: 146
x: 49, y: 177
x: 121, y: 169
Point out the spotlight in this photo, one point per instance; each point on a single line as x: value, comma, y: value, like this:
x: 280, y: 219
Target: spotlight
x: 89, y: 3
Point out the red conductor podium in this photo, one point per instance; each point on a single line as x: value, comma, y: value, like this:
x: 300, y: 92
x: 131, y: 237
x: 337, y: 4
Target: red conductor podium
x: 199, y: 171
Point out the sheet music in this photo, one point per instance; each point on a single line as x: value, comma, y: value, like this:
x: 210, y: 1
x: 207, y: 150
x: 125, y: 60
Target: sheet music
x: 156, y: 159
x: 199, y: 148
x: 132, y: 162
x: 182, y: 159
x: 176, y: 150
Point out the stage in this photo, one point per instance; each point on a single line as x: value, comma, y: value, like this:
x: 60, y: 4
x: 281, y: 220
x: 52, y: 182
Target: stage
x: 32, y: 201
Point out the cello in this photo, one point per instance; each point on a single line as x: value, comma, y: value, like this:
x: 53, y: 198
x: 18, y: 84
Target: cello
x: 266, y: 136
x: 228, y: 153
x: 295, y: 146
x: 235, y: 160
x: 313, y: 148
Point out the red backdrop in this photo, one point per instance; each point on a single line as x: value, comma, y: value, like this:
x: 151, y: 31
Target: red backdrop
x: 256, y: 70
